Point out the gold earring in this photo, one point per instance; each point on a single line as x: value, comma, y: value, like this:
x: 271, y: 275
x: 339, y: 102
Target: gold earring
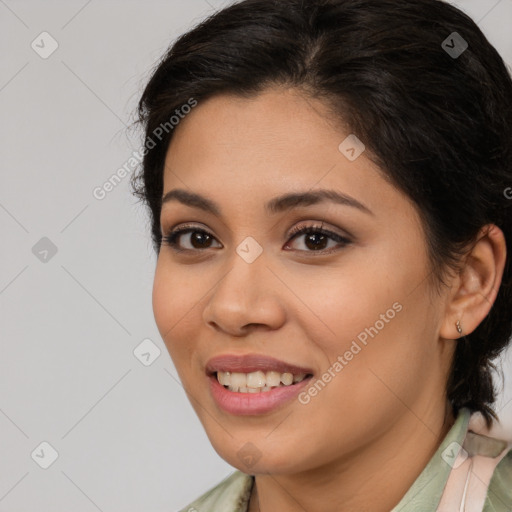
x: 459, y: 328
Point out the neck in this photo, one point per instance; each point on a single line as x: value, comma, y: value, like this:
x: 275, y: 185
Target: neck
x: 375, y: 478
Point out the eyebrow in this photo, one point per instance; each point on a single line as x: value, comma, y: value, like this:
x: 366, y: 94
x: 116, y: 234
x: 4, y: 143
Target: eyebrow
x: 274, y: 206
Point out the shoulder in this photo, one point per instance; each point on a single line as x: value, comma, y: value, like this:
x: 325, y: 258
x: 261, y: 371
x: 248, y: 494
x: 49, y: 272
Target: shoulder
x: 230, y: 495
x: 499, y: 495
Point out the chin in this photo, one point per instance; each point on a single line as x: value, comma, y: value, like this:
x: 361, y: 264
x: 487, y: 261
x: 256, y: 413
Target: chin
x: 253, y: 461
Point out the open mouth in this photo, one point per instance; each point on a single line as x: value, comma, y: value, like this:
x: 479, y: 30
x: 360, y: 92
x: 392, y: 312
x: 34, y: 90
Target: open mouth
x: 258, y: 381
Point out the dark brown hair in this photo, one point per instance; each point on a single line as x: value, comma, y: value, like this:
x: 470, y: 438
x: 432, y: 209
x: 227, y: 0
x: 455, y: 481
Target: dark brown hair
x: 438, y: 123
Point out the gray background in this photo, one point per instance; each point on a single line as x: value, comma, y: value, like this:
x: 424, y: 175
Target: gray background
x: 127, y: 439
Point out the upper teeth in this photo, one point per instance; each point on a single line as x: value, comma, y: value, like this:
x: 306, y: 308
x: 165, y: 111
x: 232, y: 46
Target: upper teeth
x: 257, y: 381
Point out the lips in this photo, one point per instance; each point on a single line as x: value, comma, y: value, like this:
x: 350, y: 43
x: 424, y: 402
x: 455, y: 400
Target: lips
x: 252, y: 363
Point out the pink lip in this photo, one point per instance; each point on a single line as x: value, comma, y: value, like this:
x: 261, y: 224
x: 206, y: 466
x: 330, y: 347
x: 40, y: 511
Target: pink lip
x: 251, y: 363
x: 253, y: 403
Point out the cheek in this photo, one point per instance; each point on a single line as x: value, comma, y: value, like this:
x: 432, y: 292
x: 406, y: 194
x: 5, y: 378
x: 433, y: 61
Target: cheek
x: 344, y: 302
x: 174, y: 308
x: 163, y: 306
x: 380, y: 326
x: 371, y: 311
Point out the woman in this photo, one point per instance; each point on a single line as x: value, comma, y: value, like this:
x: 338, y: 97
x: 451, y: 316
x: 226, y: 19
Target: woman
x: 327, y: 182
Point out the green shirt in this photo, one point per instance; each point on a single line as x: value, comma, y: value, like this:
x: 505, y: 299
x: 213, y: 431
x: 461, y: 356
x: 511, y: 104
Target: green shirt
x: 232, y: 494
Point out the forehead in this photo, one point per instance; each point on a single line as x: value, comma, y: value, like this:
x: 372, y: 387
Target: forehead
x: 257, y: 123
x: 276, y: 142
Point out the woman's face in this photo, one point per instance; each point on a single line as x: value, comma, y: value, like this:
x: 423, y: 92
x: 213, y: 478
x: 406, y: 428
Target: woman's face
x: 356, y: 312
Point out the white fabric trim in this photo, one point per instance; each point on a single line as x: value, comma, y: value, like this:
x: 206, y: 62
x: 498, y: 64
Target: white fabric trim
x: 468, y: 482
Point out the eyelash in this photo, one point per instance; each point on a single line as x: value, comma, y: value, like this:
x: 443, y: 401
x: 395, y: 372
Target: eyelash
x: 171, y: 239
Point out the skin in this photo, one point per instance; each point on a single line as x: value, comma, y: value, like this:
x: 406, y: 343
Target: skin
x: 364, y: 439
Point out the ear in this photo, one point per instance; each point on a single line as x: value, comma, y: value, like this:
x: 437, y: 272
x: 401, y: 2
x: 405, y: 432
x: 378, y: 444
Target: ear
x: 475, y: 288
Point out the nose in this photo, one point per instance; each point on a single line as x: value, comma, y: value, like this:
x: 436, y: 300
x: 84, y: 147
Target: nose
x: 246, y: 297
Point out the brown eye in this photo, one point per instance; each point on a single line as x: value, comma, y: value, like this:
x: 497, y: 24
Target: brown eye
x: 317, y: 238
x: 199, y: 239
